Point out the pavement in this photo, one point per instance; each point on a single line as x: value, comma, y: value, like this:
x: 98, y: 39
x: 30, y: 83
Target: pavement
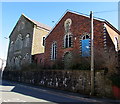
x: 24, y: 93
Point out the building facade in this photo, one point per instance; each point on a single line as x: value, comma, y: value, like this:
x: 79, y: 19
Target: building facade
x: 26, y: 40
x: 67, y: 44
x: 71, y: 38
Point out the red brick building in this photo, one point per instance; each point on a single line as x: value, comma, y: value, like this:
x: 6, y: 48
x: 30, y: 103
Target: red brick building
x: 39, y: 59
x: 71, y: 38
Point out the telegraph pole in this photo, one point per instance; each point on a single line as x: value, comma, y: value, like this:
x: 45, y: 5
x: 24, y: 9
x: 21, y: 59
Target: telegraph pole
x: 92, y: 55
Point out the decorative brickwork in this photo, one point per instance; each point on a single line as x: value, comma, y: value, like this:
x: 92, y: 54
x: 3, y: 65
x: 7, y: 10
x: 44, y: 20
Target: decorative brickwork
x: 80, y: 26
x: 104, y: 37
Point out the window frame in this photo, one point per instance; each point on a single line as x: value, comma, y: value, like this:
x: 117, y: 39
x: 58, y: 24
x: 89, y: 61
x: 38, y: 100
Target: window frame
x: 68, y: 41
x: 43, y: 41
x: 116, y: 44
x: 27, y: 40
x: 85, y: 37
x: 54, y: 51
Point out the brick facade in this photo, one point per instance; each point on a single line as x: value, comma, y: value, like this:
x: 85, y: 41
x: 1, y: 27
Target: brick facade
x: 39, y: 59
x: 79, y: 27
x: 72, y: 26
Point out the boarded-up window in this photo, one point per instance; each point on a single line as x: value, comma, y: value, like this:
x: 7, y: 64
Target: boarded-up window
x: 86, y: 46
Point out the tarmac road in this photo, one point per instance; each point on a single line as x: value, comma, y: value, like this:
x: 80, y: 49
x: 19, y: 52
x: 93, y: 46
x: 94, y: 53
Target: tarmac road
x: 16, y: 92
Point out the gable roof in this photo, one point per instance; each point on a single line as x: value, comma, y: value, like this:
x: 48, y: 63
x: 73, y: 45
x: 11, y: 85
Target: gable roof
x: 34, y: 22
x: 38, y: 23
x: 110, y: 25
x: 85, y: 15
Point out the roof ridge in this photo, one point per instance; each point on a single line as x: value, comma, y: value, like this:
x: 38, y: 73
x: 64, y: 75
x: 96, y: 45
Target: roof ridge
x: 39, y: 24
x: 86, y: 15
x: 96, y: 18
x: 80, y: 14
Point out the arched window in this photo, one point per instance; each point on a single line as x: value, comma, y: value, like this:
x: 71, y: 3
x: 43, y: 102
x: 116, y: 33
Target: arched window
x: 116, y: 44
x: 18, y: 61
x: 67, y: 41
x: 11, y: 46
x: 12, y: 63
x: 40, y: 60
x: 85, y: 46
x: 18, y: 42
x: 54, y: 51
x: 27, y: 57
x: 27, y: 41
x: 43, y: 41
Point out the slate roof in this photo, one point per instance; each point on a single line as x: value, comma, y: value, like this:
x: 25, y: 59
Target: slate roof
x: 48, y: 28
x: 38, y: 23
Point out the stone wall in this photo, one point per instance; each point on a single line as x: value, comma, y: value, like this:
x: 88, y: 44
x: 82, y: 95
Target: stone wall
x: 21, y: 36
x: 72, y: 80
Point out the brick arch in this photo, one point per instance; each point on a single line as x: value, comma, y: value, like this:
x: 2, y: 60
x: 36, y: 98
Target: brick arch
x: 67, y: 59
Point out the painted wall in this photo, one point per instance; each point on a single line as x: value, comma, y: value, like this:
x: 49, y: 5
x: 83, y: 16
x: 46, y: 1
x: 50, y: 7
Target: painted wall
x: 37, y: 42
x: 113, y: 35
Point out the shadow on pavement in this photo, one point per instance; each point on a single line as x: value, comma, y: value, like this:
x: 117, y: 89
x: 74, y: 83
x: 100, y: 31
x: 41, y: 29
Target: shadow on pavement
x: 54, y: 96
x: 40, y: 93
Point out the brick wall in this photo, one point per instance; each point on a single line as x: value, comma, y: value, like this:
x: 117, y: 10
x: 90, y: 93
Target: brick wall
x: 39, y: 59
x: 80, y: 25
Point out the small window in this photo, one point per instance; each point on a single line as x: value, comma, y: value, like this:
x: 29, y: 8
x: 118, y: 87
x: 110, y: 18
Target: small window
x: 84, y: 38
x: 40, y: 60
x: 43, y: 41
x: 87, y: 37
x: 116, y: 44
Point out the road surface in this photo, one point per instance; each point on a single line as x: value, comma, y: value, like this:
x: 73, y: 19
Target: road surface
x: 15, y: 92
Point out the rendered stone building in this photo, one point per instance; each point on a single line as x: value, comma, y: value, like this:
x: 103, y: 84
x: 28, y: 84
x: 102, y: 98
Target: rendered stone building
x: 26, y: 40
x: 71, y: 37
